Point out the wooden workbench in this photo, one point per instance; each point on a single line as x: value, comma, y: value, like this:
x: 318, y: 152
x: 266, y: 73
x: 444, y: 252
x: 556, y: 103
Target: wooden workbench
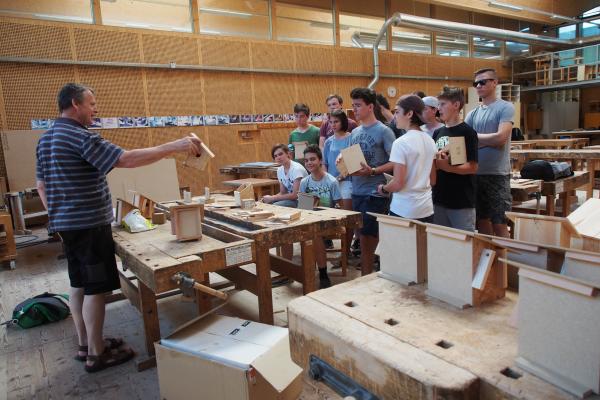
x: 590, y: 156
x: 313, y: 225
x: 251, y: 170
x: 577, y: 133
x: 573, y: 143
x: 262, y: 186
x: 155, y: 256
x: 399, y: 343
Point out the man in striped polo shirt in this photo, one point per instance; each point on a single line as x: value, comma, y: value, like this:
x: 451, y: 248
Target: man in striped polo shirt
x: 71, y: 169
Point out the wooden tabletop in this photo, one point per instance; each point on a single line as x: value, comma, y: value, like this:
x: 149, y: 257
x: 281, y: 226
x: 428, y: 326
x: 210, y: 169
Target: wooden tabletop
x: 557, y: 154
x: 257, y: 182
x: 577, y: 133
x: 578, y: 179
x: 544, y: 143
x: 155, y: 255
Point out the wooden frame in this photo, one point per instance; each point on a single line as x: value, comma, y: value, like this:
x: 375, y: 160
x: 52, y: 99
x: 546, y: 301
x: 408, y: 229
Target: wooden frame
x: 463, y: 268
x: 186, y: 221
x: 457, y: 150
x: 402, y: 249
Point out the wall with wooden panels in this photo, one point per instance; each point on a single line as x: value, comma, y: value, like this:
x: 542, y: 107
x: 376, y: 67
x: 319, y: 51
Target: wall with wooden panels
x: 28, y: 91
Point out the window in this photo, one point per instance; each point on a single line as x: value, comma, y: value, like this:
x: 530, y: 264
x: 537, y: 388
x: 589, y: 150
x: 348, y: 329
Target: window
x: 490, y: 49
x: 248, y: 18
x: 58, y: 10
x: 590, y: 54
x: 170, y: 15
x: 411, y: 40
x: 452, y: 45
x: 360, y: 23
x: 514, y: 49
x: 565, y: 58
x: 304, y: 21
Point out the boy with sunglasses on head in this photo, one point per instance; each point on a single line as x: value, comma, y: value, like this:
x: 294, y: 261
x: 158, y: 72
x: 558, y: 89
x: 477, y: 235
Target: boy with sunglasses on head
x: 493, y: 122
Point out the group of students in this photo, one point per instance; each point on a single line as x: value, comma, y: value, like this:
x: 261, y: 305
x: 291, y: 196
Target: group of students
x: 425, y: 185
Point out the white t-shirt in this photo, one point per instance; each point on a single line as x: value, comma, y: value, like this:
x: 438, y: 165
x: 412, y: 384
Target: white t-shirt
x: 296, y: 171
x: 430, y: 131
x: 416, y: 150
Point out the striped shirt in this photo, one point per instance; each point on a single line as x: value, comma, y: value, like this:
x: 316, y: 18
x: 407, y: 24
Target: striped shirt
x: 73, y: 163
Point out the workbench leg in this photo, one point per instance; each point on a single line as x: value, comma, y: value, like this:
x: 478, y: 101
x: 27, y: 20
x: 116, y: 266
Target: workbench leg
x: 149, y: 310
x: 344, y: 253
x: 308, y: 265
x: 565, y: 199
x: 550, y: 200
x: 592, y: 165
x: 263, y: 284
x: 203, y: 300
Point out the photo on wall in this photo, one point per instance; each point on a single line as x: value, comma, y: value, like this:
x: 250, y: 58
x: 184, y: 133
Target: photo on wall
x: 268, y: 118
x: 170, y: 121
x: 222, y: 119
x: 234, y: 119
x: 126, y: 122
x: 210, y: 120
x: 156, y: 122
x: 141, y: 121
x: 184, y: 120
x: 278, y: 117
x: 197, y: 120
x: 39, y: 124
x: 96, y: 123
x: 258, y: 118
x: 289, y: 117
x: 109, y: 123
x: 246, y: 118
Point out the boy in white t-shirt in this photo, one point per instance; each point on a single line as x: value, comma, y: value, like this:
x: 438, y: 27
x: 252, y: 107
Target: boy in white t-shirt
x: 413, y: 156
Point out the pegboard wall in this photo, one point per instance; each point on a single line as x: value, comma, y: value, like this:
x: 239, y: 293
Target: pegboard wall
x: 28, y: 90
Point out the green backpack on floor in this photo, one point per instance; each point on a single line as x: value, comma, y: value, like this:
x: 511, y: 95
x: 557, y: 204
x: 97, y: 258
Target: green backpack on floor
x: 41, y: 309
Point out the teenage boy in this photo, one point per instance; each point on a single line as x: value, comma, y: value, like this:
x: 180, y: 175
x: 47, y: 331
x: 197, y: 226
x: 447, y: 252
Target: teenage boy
x: 326, y: 188
x: 429, y: 115
x: 334, y: 102
x: 304, y: 132
x: 454, y: 191
x: 493, y: 122
x: 375, y: 140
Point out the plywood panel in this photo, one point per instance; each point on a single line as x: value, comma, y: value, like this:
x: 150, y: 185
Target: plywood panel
x: 188, y: 176
x: 119, y: 91
x: 163, y: 49
x: 227, y: 53
x: 30, y: 91
x: 130, y: 138
x: 106, y: 45
x: 39, y: 41
x: 382, y: 86
x: 270, y: 138
x: 312, y: 58
x: 314, y: 90
x: 18, y: 148
x: 174, y: 92
x: 228, y: 93
x: 272, y: 55
x: 353, y: 60
x: 388, y: 62
x: 413, y: 65
x: 274, y: 93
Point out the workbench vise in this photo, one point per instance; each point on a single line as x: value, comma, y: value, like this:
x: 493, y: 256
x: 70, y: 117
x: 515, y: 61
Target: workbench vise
x: 188, y: 286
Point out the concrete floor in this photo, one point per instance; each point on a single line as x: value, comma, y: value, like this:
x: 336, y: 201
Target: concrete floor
x: 38, y: 363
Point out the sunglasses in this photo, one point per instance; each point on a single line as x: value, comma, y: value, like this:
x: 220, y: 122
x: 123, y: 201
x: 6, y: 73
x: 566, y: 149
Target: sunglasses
x: 482, y: 82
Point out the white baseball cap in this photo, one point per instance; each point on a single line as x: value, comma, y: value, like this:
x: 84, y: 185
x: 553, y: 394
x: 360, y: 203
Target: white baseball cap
x: 431, y: 101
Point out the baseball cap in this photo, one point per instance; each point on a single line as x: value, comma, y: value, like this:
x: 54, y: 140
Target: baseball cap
x: 431, y: 101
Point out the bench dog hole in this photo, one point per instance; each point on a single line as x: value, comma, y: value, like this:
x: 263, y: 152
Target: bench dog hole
x: 351, y: 304
x: 511, y: 373
x: 391, y: 322
x: 444, y: 344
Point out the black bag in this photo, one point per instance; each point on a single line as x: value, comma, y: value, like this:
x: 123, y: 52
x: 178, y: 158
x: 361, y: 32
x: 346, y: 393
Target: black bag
x: 516, y: 135
x: 547, y: 171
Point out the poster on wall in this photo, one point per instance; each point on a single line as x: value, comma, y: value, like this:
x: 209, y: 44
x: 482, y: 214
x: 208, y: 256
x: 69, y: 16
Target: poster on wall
x: 96, y: 123
x: 109, y: 123
x: 210, y: 120
x: 246, y: 118
x: 39, y: 124
x: 141, y: 122
x: 126, y: 122
x: 170, y: 121
x: 222, y: 119
x: 197, y: 120
x: 184, y: 120
x: 234, y: 119
x: 156, y: 122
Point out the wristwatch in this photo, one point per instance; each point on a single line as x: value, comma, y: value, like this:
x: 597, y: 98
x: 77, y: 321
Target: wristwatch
x: 373, y: 171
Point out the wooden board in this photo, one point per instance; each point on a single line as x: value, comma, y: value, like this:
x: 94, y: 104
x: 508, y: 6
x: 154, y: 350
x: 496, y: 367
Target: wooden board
x: 457, y: 150
x: 156, y: 181
x: 19, y: 156
x: 451, y: 353
x: 556, y: 231
x: 352, y: 157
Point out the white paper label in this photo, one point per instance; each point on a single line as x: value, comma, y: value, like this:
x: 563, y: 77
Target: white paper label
x: 238, y: 254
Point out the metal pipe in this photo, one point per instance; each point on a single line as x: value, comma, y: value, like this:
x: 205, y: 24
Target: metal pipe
x: 436, y: 25
x: 356, y: 40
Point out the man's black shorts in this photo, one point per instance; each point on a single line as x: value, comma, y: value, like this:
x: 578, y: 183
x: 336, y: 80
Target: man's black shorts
x: 375, y: 204
x: 91, y: 257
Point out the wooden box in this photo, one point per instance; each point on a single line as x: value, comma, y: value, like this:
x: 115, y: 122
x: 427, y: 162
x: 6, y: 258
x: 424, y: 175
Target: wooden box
x: 544, y: 229
x: 186, y: 221
x: 464, y: 269
x: 586, y: 220
x: 559, y: 339
x: 402, y: 249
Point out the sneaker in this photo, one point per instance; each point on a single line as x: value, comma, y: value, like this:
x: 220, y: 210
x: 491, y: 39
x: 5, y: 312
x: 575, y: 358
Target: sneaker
x: 324, y: 282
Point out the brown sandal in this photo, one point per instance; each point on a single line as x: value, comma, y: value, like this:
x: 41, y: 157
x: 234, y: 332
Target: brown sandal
x: 109, y: 343
x: 108, y: 359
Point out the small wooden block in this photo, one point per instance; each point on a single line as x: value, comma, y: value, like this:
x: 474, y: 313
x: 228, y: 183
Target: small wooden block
x: 243, y: 192
x: 352, y: 157
x: 248, y: 204
x: 299, y: 148
x: 159, y: 218
x: 307, y: 201
x: 199, y: 162
x: 259, y: 215
x: 457, y: 149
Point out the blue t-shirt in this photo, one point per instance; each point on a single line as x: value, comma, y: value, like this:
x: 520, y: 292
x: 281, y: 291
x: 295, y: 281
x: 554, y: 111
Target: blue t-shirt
x: 327, y: 189
x: 331, y: 150
x: 73, y: 163
x: 376, y: 144
x: 486, y: 119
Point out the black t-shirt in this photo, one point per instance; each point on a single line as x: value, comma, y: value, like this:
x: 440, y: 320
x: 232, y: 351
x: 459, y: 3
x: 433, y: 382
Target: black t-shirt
x: 453, y: 190
x: 397, y: 131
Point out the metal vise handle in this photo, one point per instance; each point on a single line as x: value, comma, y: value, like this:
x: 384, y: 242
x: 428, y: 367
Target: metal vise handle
x: 186, y: 282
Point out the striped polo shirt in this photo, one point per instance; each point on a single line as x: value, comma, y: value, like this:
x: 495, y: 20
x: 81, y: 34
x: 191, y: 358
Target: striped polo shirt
x: 73, y: 163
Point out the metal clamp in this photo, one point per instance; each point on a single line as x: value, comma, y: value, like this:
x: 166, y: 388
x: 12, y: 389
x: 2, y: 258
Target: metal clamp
x: 189, y: 285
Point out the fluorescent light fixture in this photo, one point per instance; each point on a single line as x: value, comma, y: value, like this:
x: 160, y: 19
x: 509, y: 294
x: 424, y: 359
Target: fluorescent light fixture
x: 220, y: 11
x: 506, y: 6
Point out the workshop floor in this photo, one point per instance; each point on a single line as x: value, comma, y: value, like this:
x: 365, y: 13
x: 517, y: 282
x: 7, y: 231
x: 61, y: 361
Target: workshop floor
x: 38, y: 363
